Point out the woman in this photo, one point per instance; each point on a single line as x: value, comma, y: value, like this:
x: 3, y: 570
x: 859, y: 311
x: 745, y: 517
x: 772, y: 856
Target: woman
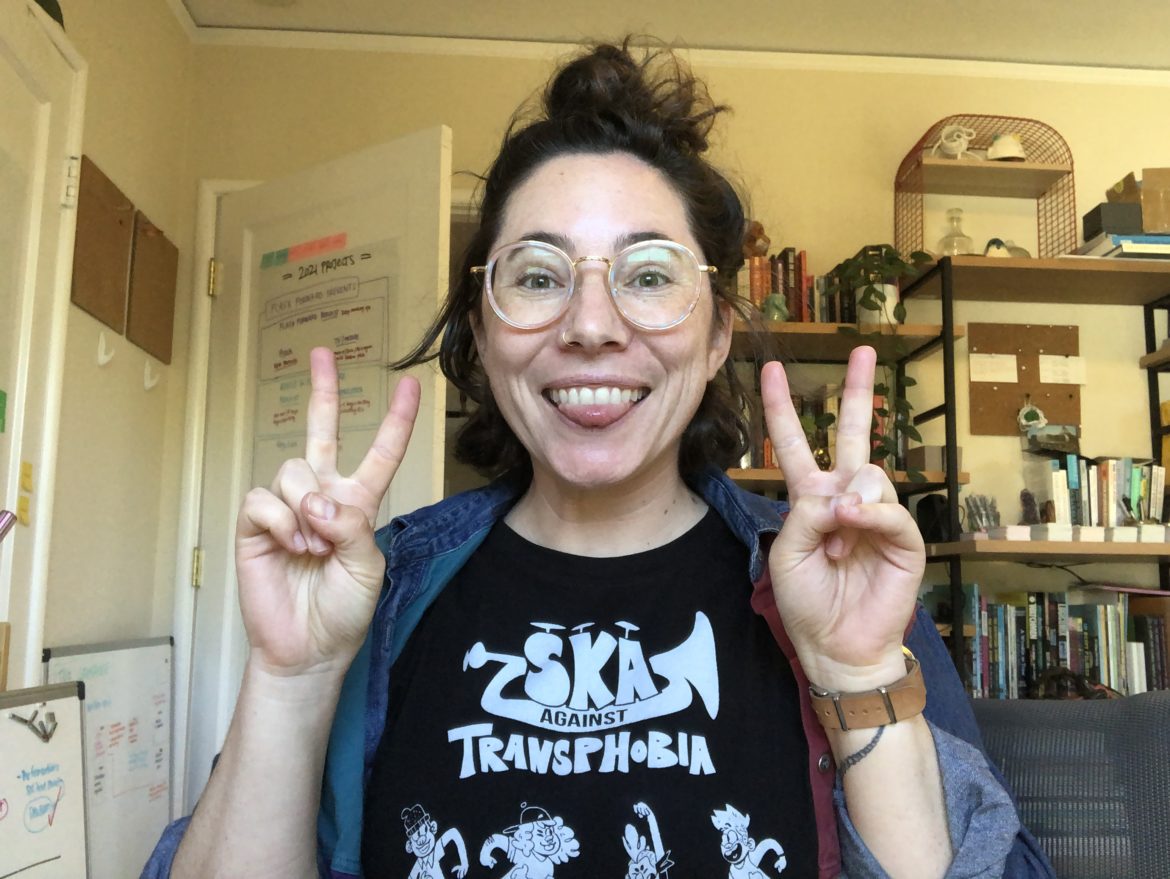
x: 612, y: 623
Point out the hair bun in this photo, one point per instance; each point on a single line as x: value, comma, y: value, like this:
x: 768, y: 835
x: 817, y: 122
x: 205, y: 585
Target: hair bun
x: 655, y: 96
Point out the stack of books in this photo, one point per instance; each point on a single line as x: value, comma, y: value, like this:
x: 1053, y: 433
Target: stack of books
x: 1127, y: 246
x: 1012, y: 638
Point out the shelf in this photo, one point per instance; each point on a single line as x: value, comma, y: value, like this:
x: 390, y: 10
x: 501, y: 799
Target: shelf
x: 1064, y: 281
x: 1158, y: 360
x: 826, y: 343
x: 771, y: 479
x: 1046, y: 550
x: 990, y: 178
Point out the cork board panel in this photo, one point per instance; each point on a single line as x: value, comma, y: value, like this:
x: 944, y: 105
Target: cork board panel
x: 154, y: 270
x: 995, y: 405
x: 101, y: 252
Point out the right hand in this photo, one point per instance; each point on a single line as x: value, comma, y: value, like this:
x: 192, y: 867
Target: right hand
x: 309, y: 571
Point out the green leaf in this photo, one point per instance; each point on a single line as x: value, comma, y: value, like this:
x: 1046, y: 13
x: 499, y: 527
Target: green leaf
x: 909, y: 382
x: 915, y: 475
x: 825, y: 419
x: 900, y: 313
x: 902, y: 405
x: 911, y: 431
x: 881, y: 389
x: 869, y: 304
x: 848, y: 330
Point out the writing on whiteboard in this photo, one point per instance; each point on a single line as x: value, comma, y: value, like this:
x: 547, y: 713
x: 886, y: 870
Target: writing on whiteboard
x: 311, y: 297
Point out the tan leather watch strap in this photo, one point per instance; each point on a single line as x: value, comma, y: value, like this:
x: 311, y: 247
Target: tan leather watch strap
x: 898, y: 701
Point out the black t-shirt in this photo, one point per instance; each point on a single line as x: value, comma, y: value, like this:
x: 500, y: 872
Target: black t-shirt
x: 569, y: 716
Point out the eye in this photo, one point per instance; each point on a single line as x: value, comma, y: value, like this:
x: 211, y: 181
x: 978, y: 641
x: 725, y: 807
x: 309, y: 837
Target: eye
x: 538, y: 280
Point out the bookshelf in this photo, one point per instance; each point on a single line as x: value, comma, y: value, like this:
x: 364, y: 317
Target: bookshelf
x: 810, y: 342
x: 772, y: 479
x: 998, y: 179
x: 1058, y: 280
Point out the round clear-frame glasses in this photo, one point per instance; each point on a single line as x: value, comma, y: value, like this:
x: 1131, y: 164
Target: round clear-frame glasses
x: 654, y: 284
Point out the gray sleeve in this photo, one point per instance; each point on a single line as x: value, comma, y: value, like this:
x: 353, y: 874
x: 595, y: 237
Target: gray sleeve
x: 159, y: 865
x: 981, y: 819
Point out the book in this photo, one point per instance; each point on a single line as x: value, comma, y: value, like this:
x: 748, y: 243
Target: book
x: 1113, y: 244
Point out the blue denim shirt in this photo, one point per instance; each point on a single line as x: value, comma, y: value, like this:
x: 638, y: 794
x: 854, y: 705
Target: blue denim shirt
x: 424, y: 550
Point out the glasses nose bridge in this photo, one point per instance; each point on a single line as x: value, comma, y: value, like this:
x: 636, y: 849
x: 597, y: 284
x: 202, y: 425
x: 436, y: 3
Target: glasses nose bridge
x: 577, y: 277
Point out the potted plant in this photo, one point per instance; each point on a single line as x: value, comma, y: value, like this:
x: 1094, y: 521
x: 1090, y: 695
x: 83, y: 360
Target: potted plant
x: 873, y: 276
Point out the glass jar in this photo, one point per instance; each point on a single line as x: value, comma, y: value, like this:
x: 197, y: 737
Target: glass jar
x: 955, y: 242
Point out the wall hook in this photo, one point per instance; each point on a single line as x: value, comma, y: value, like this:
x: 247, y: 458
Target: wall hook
x: 149, y: 379
x: 104, y: 354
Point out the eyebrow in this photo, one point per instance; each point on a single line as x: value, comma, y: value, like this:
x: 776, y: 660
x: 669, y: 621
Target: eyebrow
x: 620, y: 243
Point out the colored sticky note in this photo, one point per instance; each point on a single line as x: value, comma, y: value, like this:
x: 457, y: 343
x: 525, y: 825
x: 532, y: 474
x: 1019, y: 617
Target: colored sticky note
x: 3, y: 411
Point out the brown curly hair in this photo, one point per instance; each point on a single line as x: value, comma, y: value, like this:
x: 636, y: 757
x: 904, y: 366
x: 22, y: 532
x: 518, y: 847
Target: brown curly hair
x: 605, y: 100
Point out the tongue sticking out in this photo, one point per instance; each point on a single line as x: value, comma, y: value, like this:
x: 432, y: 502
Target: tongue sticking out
x: 594, y: 409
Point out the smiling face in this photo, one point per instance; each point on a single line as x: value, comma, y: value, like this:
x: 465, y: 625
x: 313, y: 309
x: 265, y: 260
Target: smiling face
x: 594, y: 400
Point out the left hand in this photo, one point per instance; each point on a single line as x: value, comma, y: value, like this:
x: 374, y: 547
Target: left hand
x: 848, y: 562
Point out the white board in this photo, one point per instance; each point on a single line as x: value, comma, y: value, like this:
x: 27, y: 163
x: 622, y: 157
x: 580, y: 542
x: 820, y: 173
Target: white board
x: 127, y: 747
x: 42, y: 783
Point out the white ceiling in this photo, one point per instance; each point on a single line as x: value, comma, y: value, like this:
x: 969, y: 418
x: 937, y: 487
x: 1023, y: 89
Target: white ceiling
x: 1095, y: 33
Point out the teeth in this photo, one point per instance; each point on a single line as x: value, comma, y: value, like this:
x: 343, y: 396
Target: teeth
x: 595, y: 396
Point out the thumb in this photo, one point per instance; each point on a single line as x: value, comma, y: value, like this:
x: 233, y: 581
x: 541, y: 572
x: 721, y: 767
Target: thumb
x: 348, y: 529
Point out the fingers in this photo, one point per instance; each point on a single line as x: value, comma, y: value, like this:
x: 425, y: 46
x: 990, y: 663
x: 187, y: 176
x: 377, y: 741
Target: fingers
x: 381, y: 462
x: 265, y: 513
x: 348, y: 533
x: 295, y: 479
x: 322, y: 421
x: 856, y: 414
x: 788, y: 439
x: 870, y: 485
x: 892, y: 522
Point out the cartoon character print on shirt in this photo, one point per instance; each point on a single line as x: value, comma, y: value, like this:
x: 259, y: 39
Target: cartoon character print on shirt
x: 742, y: 853
x: 534, y: 846
x: 583, y: 689
x: 427, y: 849
x: 646, y: 861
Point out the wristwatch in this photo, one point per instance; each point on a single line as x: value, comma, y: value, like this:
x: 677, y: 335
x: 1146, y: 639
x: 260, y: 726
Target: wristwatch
x: 872, y: 708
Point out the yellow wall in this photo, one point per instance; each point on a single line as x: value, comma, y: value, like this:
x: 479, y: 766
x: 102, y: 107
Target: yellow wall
x: 113, y: 551
x: 817, y: 149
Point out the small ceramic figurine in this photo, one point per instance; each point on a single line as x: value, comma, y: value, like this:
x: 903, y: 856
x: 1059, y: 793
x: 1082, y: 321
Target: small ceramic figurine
x: 774, y: 307
x: 996, y: 247
x: 755, y: 241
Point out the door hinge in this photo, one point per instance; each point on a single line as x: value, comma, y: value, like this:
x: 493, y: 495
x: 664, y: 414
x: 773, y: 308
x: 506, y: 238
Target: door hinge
x: 196, y: 567
x: 71, y: 182
x: 212, y: 278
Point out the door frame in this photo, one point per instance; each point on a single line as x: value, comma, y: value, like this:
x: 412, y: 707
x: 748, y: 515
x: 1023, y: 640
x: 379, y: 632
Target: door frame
x: 191, y: 492
x: 35, y: 401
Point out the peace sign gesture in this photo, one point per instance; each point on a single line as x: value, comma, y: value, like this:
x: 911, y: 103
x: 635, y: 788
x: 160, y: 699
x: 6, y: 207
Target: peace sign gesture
x: 848, y: 562
x: 308, y: 568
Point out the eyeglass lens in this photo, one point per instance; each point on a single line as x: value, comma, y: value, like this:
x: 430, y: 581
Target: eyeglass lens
x: 654, y: 284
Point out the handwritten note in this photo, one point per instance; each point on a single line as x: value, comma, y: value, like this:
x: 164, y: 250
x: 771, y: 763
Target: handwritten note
x: 1000, y: 368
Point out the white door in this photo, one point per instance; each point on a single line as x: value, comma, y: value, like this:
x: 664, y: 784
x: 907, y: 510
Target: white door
x: 351, y: 254
x: 42, y: 80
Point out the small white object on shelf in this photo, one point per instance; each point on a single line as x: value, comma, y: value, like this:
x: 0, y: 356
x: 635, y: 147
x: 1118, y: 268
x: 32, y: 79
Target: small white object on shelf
x: 1151, y: 533
x: 1007, y: 532
x: 1122, y: 534
x: 1052, y: 531
x: 1089, y: 533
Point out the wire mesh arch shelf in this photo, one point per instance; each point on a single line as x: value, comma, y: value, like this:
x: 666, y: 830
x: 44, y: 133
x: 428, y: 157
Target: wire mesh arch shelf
x: 951, y: 158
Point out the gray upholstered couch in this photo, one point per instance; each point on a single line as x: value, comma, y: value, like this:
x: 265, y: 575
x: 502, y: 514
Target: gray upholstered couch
x: 1092, y: 780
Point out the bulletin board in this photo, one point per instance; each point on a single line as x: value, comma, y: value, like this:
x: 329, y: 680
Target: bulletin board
x: 996, y: 404
x: 150, y: 309
x: 42, y: 783
x: 127, y: 742
x: 101, y: 251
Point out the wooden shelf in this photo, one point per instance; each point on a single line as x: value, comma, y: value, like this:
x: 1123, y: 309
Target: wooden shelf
x: 990, y: 178
x: 1159, y: 360
x: 826, y: 343
x: 1048, y: 551
x: 1067, y: 280
x: 772, y: 479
